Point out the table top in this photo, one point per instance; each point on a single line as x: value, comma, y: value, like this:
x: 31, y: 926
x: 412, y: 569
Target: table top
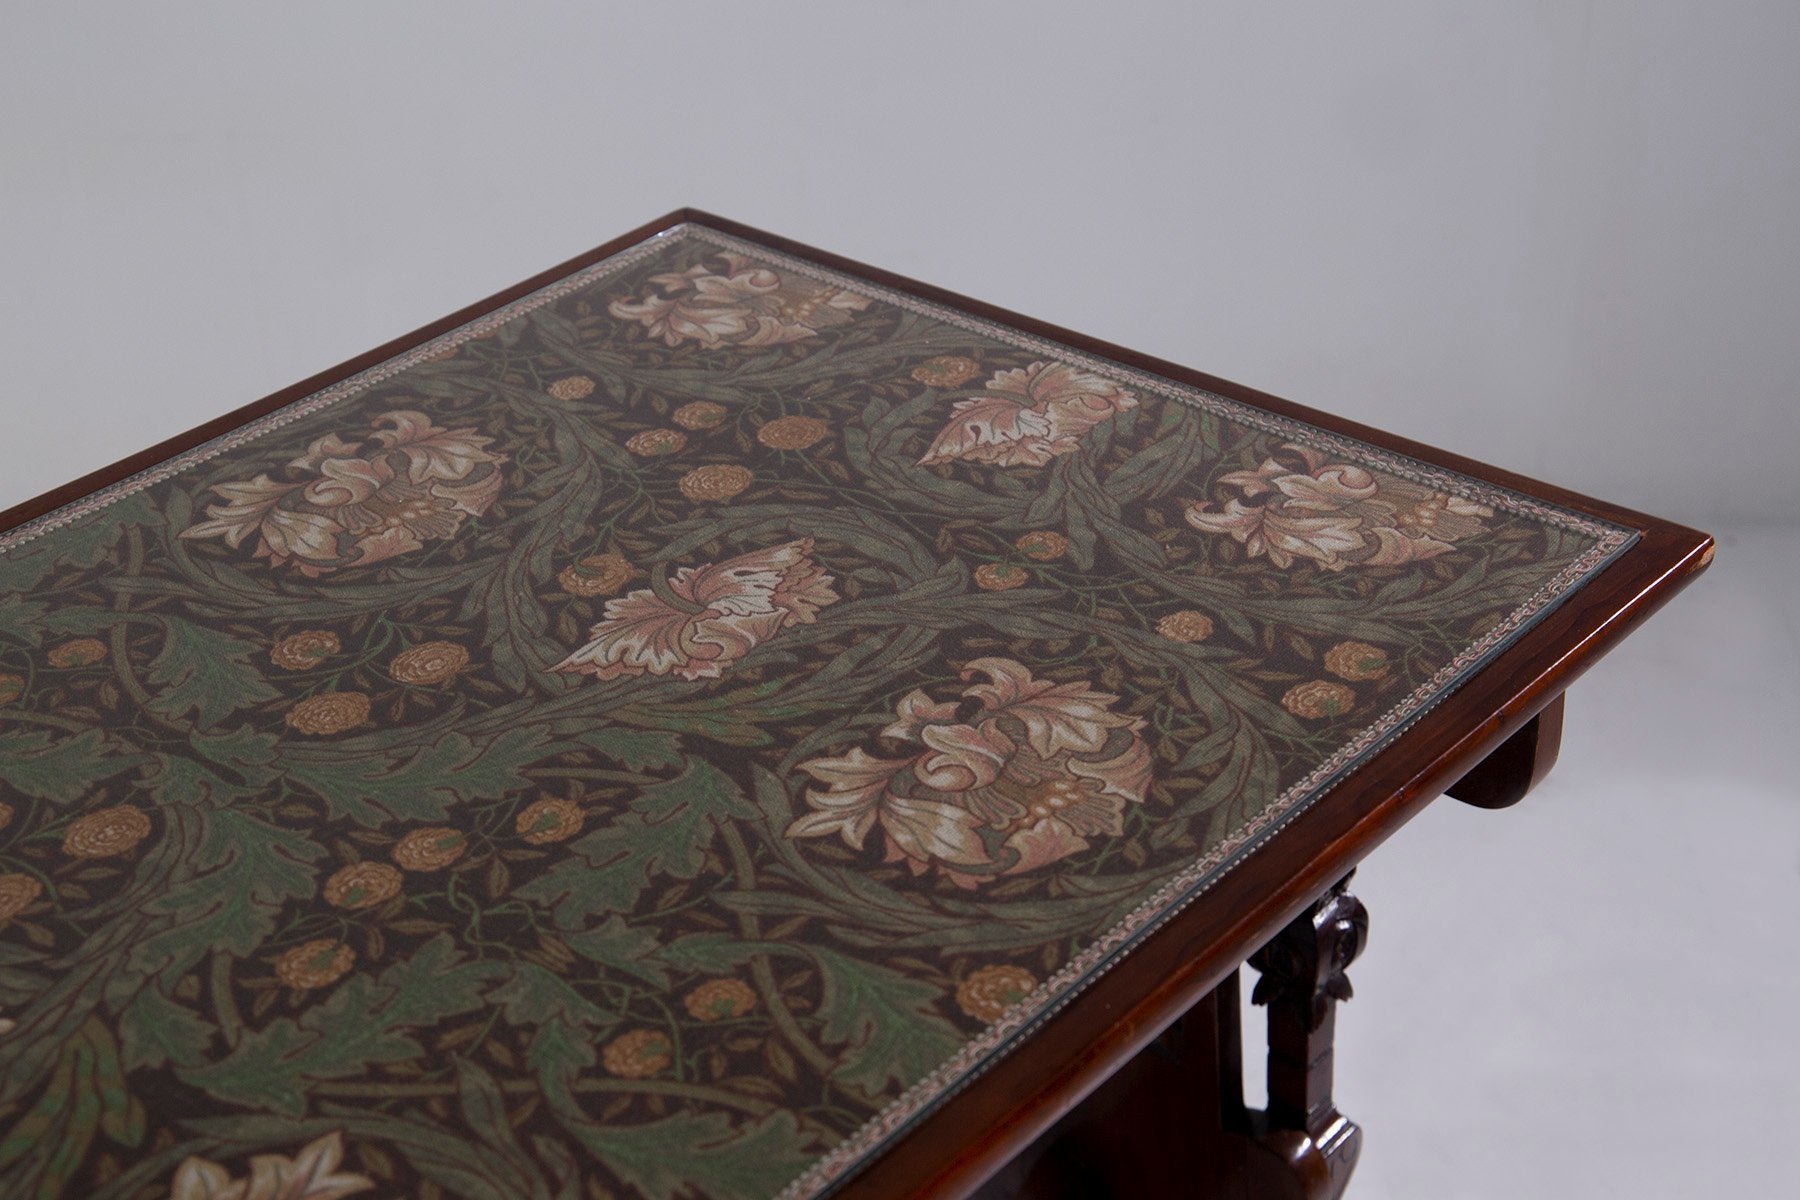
x: 680, y: 723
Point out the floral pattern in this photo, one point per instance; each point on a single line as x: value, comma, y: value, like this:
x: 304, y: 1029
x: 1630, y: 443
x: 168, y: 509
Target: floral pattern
x: 353, y: 505
x: 1027, y: 416
x: 988, y: 992
x: 705, y: 618
x: 1038, y: 770
x: 741, y: 303
x: 1338, y: 514
x: 312, y: 1174
x: 652, y: 740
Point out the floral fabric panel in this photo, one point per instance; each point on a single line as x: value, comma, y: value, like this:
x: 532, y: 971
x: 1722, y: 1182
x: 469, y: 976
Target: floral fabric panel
x: 656, y: 740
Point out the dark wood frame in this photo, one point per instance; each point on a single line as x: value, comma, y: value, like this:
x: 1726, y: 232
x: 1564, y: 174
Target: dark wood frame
x: 968, y: 1137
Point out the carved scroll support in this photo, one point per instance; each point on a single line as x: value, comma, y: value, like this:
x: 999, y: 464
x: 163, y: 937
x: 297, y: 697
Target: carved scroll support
x: 1303, y: 977
x: 1172, y: 1122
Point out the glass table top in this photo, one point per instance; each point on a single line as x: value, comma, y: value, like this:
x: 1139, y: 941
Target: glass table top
x: 670, y: 732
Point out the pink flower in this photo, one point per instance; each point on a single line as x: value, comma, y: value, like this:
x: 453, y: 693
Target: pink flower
x: 1024, y: 418
x: 1038, y: 770
x: 705, y: 618
x: 357, y: 504
x: 1337, y: 514
x: 748, y: 305
x: 311, y: 1174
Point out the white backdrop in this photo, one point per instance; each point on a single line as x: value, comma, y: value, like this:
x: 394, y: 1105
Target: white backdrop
x: 1558, y: 236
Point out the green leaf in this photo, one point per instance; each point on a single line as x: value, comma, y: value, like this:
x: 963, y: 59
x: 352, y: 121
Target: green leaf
x: 19, y: 617
x: 59, y: 771
x: 414, y: 783
x: 363, y: 1022
x: 734, y: 717
x: 203, y: 671
x: 183, y: 781
x: 622, y: 947
x: 461, y: 1166
x: 635, y: 749
x: 86, y: 1095
x: 1171, y: 460
x: 887, y: 1021
x: 700, y: 1155
x: 535, y: 997
x: 709, y: 953
x: 248, y: 754
x: 154, y: 1030
x: 666, y: 832
x: 559, y: 1052
x: 121, y: 1114
x: 247, y: 870
x: 82, y: 543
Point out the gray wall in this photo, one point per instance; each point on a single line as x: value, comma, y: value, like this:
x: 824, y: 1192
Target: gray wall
x: 1558, y: 236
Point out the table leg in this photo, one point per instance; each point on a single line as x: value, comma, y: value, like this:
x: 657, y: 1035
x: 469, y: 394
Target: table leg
x: 1173, y: 1123
x: 1303, y: 978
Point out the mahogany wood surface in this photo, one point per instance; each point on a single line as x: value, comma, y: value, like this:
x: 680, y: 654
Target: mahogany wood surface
x: 978, y: 1130
x: 1519, y: 764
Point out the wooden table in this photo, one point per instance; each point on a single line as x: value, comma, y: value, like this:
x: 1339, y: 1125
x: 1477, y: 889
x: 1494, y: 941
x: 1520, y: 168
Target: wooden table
x: 716, y: 719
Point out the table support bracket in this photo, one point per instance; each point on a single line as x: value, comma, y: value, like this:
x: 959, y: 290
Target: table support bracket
x: 1303, y: 977
x: 1173, y: 1122
x: 1517, y: 765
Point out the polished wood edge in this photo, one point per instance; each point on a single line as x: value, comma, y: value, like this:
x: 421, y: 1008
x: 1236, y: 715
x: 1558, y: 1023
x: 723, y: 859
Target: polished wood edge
x: 1506, y: 776
x: 976, y: 1130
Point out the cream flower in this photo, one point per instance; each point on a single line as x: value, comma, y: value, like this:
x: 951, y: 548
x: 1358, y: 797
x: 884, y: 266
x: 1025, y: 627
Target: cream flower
x: 705, y: 618
x: 312, y: 1174
x: 1025, y: 417
x: 1337, y: 514
x: 745, y: 305
x: 353, y: 505
x: 1036, y: 772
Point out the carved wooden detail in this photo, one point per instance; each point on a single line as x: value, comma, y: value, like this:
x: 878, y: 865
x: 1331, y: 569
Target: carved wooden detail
x: 1303, y: 977
x: 1173, y: 1122
x: 1303, y: 969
